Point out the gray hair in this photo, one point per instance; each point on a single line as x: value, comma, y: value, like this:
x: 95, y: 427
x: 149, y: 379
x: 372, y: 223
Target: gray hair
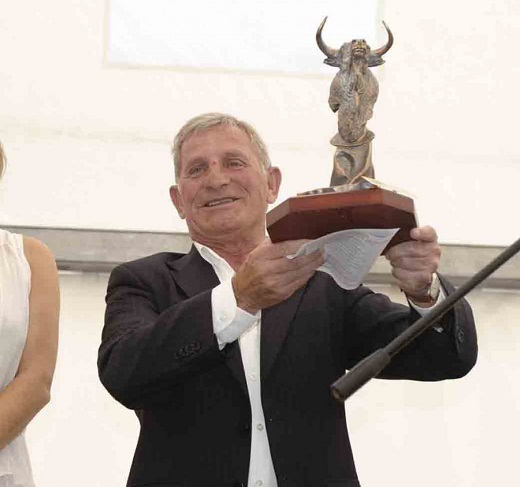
x: 210, y: 120
x: 3, y: 160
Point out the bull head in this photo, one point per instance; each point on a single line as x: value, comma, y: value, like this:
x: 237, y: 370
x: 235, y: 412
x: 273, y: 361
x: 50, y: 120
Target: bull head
x: 374, y: 58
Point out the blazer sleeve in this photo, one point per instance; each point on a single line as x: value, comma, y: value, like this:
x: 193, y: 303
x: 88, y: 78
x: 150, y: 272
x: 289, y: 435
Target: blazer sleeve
x: 375, y: 321
x: 145, y: 353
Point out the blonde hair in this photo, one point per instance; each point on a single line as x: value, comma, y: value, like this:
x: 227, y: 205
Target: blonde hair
x: 210, y: 120
x: 3, y: 160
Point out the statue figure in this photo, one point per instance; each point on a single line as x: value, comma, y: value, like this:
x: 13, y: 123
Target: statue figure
x: 353, y: 93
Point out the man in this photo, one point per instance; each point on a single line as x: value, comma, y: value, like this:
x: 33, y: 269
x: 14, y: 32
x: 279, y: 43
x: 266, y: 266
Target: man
x: 227, y: 353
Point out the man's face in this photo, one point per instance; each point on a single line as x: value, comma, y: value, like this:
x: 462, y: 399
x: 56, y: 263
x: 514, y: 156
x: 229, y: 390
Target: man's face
x: 222, y: 187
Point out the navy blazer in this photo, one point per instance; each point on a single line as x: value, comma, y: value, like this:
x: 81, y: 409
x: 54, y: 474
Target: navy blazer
x: 160, y: 357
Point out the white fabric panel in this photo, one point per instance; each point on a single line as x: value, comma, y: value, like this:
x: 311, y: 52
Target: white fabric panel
x: 271, y: 35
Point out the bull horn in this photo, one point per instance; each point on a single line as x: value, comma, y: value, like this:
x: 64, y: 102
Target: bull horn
x: 328, y: 51
x: 383, y: 50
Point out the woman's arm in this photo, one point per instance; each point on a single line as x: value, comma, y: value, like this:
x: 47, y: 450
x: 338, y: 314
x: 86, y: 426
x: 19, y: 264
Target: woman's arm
x: 29, y: 391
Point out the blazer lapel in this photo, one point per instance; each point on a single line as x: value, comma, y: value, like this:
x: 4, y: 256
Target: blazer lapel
x: 276, y: 322
x: 235, y: 364
x: 193, y: 274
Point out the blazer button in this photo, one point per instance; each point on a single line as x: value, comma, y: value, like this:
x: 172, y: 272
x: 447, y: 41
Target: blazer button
x: 460, y: 335
x: 181, y: 353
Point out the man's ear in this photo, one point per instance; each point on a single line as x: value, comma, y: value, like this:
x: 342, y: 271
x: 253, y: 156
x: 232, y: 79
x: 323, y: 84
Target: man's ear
x: 176, y: 198
x: 274, y: 180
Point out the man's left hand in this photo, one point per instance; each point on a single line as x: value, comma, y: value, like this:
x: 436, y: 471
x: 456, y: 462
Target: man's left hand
x: 414, y: 262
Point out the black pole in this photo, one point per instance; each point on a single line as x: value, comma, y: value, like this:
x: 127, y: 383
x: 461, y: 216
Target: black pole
x: 373, y: 364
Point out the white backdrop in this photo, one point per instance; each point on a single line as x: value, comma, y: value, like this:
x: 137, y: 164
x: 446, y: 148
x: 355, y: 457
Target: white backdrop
x: 88, y: 144
x: 461, y: 433
x: 88, y: 138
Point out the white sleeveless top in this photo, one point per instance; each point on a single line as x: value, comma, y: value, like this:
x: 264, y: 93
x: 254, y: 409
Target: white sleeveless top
x: 15, y: 285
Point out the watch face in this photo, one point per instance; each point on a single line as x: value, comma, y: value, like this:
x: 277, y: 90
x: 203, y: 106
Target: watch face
x: 434, y: 288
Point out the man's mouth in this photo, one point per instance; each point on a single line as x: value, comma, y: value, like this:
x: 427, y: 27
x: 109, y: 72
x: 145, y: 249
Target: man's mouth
x: 221, y: 201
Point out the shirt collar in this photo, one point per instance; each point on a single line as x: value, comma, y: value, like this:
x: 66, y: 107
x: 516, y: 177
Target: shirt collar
x: 220, y: 266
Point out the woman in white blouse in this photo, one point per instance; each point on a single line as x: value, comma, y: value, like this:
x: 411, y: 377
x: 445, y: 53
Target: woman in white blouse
x: 29, y: 310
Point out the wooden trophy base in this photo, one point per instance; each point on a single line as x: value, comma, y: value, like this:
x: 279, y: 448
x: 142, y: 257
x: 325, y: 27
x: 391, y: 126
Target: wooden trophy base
x: 313, y: 216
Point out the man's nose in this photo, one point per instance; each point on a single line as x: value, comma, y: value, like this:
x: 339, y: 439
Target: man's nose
x: 216, y: 176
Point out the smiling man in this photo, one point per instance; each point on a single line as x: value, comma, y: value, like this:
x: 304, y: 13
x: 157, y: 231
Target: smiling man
x: 224, y: 186
x: 227, y: 353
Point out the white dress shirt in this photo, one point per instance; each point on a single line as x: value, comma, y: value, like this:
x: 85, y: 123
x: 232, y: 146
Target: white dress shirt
x: 231, y: 323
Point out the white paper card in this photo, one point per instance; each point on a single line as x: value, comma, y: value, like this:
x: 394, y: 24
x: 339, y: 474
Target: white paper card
x: 349, y: 254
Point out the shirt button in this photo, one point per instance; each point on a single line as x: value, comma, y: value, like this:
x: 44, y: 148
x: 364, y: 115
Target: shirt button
x: 253, y: 376
x: 259, y: 426
x: 259, y: 483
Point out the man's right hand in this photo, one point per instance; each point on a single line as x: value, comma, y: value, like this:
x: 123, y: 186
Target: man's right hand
x: 267, y: 277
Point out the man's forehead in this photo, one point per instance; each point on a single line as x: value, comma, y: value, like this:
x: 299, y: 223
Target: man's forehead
x: 223, y: 137
x: 218, y: 130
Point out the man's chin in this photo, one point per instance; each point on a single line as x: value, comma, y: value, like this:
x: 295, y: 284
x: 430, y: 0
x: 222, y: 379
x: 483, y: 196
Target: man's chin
x: 224, y: 229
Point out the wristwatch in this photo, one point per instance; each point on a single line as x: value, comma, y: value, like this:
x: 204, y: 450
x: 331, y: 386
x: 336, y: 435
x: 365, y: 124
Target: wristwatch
x: 433, y: 292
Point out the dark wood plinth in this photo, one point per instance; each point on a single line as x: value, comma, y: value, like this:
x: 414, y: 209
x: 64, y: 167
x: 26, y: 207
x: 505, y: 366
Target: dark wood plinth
x: 313, y: 216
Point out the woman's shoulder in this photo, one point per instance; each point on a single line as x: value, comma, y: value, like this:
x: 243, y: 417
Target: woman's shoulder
x: 37, y: 253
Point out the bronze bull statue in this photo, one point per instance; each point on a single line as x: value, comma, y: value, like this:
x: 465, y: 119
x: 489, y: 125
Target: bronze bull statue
x: 353, y: 93
x: 354, y: 90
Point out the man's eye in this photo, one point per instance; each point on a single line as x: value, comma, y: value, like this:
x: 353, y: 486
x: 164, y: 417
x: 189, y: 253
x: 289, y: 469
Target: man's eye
x: 194, y: 170
x: 235, y: 163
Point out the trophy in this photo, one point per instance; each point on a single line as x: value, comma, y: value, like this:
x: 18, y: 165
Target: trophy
x: 354, y: 198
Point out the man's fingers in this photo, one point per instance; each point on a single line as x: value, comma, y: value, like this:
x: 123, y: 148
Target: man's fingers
x: 292, y: 269
x: 306, y: 264
x: 417, y: 263
x: 291, y: 281
x: 412, y: 282
x: 424, y: 234
x: 293, y: 273
x: 304, y: 260
x: 265, y: 280
x: 413, y: 249
x: 418, y: 260
x: 284, y: 249
x: 413, y: 262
